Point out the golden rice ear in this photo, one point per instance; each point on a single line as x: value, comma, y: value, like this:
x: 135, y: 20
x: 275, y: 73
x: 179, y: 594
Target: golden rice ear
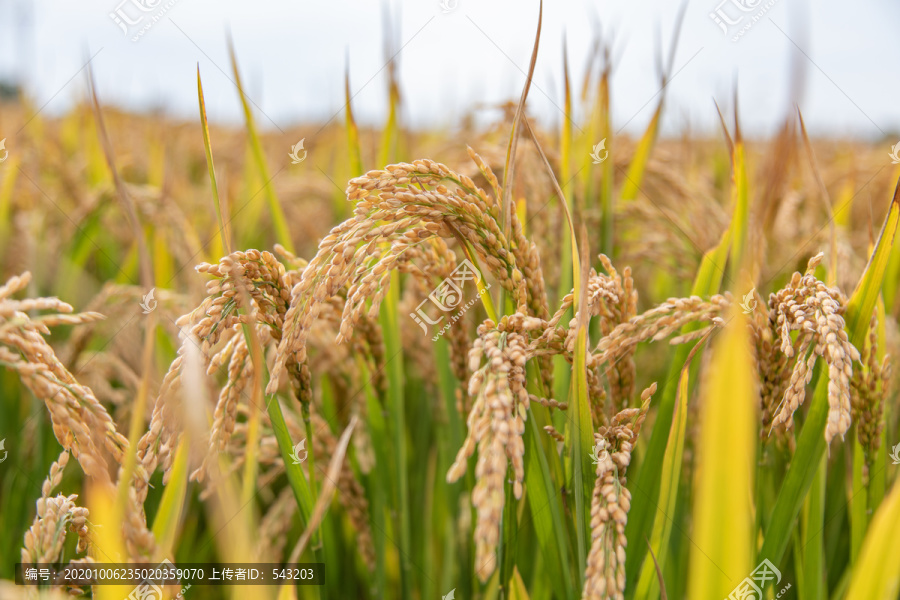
x: 815, y: 311
x: 604, y: 576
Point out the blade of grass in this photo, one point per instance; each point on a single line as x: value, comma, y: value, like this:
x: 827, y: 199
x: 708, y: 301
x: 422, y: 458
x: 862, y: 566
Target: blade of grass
x: 517, y: 589
x: 671, y: 475
x: 509, y: 170
x: 378, y: 482
x: 224, y: 233
x: 342, y: 208
x: 663, y: 595
x: 580, y: 430
x: 726, y: 454
x: 813, y: 583
x: 561, y: 368
x: 542, y: 490
x: 106, y: 528
x: 813, y: 538
x: 397, y: 426
x: 649, y: 475
x: 279, y: 221
x: 875, y: 573
x: 327, y: 494
x: 635, y: 174
x: 296, y: 478
x: 128, y: 207
x: 258, y: 385
x: 6, y: 190
x: 352, y: 130
x: 741, y: 202
x: 390, y: 135
x: 607, y: 202
x: 638, y: 165
x: 168, y: 516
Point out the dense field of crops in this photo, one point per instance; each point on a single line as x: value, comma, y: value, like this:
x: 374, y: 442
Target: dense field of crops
x: 510, y: 362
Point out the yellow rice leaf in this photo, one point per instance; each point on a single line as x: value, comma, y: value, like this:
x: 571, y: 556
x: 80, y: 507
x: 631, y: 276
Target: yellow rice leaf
x: 638, y: 165
x: 876, y: 575
x: 724, y: 521
x: 517, y: 589
x: 108, y: 539
x: 165, y: 524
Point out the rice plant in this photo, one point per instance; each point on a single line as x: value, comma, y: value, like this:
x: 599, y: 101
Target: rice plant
x: 526, y: 370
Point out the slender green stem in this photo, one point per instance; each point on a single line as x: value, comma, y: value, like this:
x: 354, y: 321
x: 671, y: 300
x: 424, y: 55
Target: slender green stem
x: 397, y: 410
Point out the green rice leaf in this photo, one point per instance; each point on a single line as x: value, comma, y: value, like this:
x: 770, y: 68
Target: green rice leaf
x: 648, y: 584
x: 168, y: 516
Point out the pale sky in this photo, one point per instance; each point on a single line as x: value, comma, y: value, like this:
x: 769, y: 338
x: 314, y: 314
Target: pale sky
x: 292, y: 56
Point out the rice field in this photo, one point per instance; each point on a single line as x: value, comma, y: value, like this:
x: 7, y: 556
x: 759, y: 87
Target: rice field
x: 515, y: 362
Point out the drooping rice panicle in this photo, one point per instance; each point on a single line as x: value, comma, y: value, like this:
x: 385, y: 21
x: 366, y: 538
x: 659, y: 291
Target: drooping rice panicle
x: 814, y: 310
x: 604, y: 576
x: 869, y: 389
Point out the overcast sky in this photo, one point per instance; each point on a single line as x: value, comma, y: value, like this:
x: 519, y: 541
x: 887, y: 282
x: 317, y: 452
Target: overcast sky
x: 292, y: 56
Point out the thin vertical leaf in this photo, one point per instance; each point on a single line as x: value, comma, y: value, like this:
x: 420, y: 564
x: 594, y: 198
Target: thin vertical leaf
x: 509, y: 170
x: 640, y: 519
x: 224, y: 232
x: 812, y: 549
x: 580, y: 431
x: 279, y: 221
x: 726, y: 453
x: 397, y: 411
x: 876, y: 575
x: 168, y: 516
x: 648, y: 584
